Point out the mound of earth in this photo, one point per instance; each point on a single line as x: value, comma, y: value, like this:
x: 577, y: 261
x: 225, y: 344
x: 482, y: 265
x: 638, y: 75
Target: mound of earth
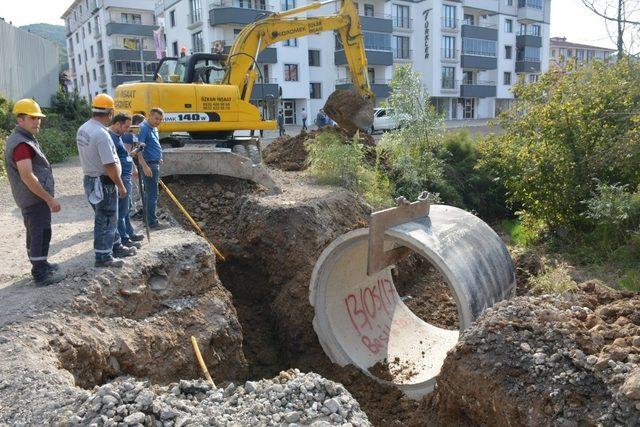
x: 551, y: 360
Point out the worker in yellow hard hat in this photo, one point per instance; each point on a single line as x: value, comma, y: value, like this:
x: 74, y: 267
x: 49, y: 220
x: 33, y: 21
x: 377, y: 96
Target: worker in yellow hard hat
x: 32, y: 185
x: 103, y: 184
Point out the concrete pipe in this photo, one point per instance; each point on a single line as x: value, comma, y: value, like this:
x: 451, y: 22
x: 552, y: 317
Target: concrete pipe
x: 361, y: 320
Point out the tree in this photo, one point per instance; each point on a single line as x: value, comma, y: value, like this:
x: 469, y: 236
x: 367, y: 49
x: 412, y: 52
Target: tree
x: 625, y: 14
x: 566, y: 133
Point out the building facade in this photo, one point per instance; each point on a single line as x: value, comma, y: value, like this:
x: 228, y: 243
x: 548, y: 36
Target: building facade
x: 561, y: 51
x: 109, y: 42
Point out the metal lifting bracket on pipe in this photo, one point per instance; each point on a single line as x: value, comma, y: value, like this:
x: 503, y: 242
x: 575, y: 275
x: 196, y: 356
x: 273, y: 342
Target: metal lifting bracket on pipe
x: 380, y: 221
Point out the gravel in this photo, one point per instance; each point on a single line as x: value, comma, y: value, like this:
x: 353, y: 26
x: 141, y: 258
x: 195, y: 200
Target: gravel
x: 292, y: 397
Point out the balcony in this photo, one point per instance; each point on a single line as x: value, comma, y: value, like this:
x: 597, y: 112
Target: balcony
x: 523, y: 40
x: 478, y: 62
x: 237, y: 12
x: 131, y: 55
x: 265, y: 90
x: 130, y: 29
x: 530, y: 11
x: 477, y: 89
x: 380, y: 87
x: 483, y: 31
x: 401, y: 23
x: 194, y: 19
x: 485, y: 5
x: 449, y: 55
x: 267, y: 56
x: 379, y: 24
x: 450, y: 25
x: 384, y: 56
x: 528, y: 65
x: 400, y: 55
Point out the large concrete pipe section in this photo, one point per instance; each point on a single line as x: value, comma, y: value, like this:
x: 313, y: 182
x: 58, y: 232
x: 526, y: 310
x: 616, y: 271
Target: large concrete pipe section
x: 360, y: 318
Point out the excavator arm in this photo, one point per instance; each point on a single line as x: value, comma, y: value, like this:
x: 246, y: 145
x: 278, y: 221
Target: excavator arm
x: 254, y: 38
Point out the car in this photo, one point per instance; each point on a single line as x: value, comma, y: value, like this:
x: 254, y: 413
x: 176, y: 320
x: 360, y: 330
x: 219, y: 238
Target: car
x: 383, y: 120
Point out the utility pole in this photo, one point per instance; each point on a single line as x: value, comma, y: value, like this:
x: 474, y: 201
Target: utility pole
x: 141, y: 47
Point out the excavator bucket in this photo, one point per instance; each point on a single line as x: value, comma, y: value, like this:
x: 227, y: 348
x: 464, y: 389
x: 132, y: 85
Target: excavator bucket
x: 350, y: 110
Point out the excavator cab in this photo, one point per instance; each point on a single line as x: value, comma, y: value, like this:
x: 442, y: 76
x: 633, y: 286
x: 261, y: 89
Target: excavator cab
x: 196, y: 68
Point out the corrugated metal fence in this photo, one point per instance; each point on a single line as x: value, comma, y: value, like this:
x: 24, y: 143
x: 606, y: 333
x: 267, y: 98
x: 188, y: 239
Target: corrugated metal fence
x: 28, y: 65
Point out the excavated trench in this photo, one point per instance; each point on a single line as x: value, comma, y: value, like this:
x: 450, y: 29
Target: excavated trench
x: 271, y: 244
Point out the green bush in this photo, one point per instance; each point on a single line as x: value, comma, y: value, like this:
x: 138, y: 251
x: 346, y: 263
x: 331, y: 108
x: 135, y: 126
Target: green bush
x: 466, y: 184
x: 6, y: 118
x: 413, y: 153
x: 570, y: 128
x: 553, y: 280
x: 57, y: 145
x: 333, y: 162
x: 70, y: 106
x: 3, y: 138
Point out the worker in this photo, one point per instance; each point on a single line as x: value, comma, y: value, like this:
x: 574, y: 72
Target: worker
x: 32, y: 185
x: 152, y: 155
x: 320, y: 119
x: 130, y: 139
x: 119, y: 128
x: 103, y: 185
x: 281, y: 123
x: 304, y: 119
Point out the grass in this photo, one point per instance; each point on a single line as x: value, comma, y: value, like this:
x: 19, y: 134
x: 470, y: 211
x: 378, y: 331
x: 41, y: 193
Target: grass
x: 554, y: 280
x: 517, y: 232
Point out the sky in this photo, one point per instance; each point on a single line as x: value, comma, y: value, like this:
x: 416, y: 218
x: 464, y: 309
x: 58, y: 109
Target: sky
x: 569, y: 18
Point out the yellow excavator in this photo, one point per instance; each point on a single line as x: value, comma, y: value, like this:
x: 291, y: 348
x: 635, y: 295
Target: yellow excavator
x: 207, y: 96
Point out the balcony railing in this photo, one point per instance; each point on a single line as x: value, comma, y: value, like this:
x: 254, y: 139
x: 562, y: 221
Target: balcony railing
x: 476, y: 82
x: 195, y: 17
x: 255, y: 4
x: 535, y: 4
x: 479, y: 24
x: 402, y: 54
x: 400, y: 22
x: 450, y: 24
x: 528, y: 59
x: 347, y: 81
x: 475, y: 52
x: 449, y: 84
x: 449, y: 54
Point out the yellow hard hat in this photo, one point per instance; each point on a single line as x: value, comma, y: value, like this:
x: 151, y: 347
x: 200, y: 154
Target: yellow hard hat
x: 103, y: 102
x: 29, y: 107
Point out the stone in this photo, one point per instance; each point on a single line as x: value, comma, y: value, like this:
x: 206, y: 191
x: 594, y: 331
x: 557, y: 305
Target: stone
x: 135, y: 418
x: 332, y: 405
x: 250, y: 386
x: 631, y: 387
x: 592, y: 360
x: 291, y: 417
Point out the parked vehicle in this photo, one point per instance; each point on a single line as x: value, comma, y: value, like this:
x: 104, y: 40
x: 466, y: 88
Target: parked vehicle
x: 383, y: 120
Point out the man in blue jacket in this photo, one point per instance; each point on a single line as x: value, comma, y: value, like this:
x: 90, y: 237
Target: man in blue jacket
x: 152, y: 155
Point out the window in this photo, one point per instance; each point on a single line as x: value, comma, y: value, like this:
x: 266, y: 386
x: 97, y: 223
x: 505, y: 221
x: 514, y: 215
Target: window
x: 553, y: 53
x: 528, y: 53
x: 290, y: 72
x: 448, y: 16
x: 315, y: 90
x: 478, y: 47
x: 467, y: 78
x: 314, y: 58
x: 508, y: 26
x: 533, y: 78
x: 172, y: 18
x: 102, y: 75
x: 85, y: 55
x: 131, y: 18
x: 95, y: 75
x: 81, y: 80
x: 99, y: 46
x: 468, y: 19
x: 368, y: 10
x: 372, y: 41
x: 91, y: 50
x: 523, y: 30
x: 89, y: 27
x: 77, y: 37
x: 196, y: 42
x: 507, y: 79
x: 196, y: 11
x: 508, y: 2
x: 290, y: 43
x: 174, y: 47
x: 534, y: 30
x: 79, y: 59
x: 508, y: 52
x: 82, y: 29
x: 580, y: 55
x: 401, y: 47
x: 401, y: 16
x: 287, y: 4
x: 536, y: 4
x: 448, y: 77
x: 448, y: 47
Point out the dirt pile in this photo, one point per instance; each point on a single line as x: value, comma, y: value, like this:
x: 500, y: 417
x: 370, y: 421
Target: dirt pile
x: 350, y: 110
x: 132, y: 322
x: 570, y: 360
x: 288, y: 153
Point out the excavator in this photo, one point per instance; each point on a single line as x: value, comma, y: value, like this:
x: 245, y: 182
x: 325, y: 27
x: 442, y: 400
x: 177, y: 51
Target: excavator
x: 207, y: 96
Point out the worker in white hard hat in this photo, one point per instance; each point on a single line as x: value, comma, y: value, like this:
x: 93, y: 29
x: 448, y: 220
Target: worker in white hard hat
x: 103, y: 184
x: 32, y: 185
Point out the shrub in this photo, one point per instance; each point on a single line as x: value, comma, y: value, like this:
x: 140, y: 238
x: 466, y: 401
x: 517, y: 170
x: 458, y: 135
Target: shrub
x: 57, y: 144
x: 331, y: 161
x: 3, y: 137
x: 564, y: 131
x: 412, y: 153
x: 554, y: 280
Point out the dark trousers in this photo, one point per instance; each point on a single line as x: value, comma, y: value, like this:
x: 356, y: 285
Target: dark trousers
x: 304, y: 124
x: 37, y: 221
x: 281, y: 130
x: 151, y: 192
x: 105, y: 226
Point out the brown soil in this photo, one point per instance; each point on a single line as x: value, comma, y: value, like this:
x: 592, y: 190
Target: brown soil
x: 396, y: 371
x: 349, y: 110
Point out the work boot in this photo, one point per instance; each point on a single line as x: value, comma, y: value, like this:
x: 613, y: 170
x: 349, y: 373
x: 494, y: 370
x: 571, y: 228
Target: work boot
x: 131, y: 244
x: 160, y: 225
x: 123, y: 252
x: 109, y: 262
x: 137, y: 215
x: 49, y: 278
x: 136, y: 237
x: 52, y: 266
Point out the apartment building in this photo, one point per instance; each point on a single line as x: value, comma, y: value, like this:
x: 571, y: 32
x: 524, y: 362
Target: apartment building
x: 109, y: 42
x: 562, y: 50
x: 469, y: 52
